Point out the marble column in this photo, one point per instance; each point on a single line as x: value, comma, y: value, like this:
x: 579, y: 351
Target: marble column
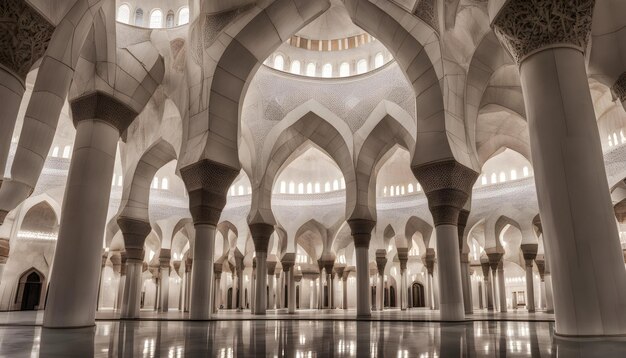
x: 116, y: 260
x: 446, y: 198
x: 570, y: 176
x: 328, y: 267
x: 188, y: 266
x: 547, y: 277
x: 261, y: 233
x: 288, y: 262
x: 105, y: 256
x: 217, y: 288
x: 502, y: 287
x: 4, y: 254
x: 11, y: 91
x: 331, y: 291
x: 344, y: 280
x: 134, y: 233
x: 164, y: 273
x: 240, y: 301
x: 176, y: 265
x: 99, y: 120
x: 253, y: 287
x: 465, y: 262
x: 429, y: 263
x: 495, y: 256
x: 381, y: 262
x: 207, y: 183
x: 484, y: 265
x: 320, y: 288
x: 271, y: 268
x: 361, y: 230
x: 280, y: 284
x: 530, y: 253
x: 403, y: 257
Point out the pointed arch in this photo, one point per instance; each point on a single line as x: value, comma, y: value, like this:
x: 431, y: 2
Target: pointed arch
x: 415, y: 224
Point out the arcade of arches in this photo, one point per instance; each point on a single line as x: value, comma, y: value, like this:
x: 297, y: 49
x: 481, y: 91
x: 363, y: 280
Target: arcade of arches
x: 421, y: 160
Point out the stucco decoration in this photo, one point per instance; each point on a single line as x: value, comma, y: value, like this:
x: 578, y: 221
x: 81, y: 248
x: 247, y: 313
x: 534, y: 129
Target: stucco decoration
x: 525, y: 26
x: 102, y: 106
x: 215, y: 23
x: 427, y: 11
x: 619, y: 88
x: 24, y: 36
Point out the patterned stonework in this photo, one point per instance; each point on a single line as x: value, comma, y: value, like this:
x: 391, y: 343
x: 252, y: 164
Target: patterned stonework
x: 24, y: 36
x: 5, y: 247
x: 462, y: 223
x: 447, y: 186
x: 361, y: 231
x: 524, y: 26
x: 261, y: 233
x: 427, y: 11
x: 619, y: 88
x: 102, y: 106
x: 134, y: 232
x: 207, y: 183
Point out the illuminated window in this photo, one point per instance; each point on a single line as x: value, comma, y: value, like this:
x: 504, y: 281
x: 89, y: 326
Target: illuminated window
x: 610, y: 141
x: 292, y: 188
x: 295, y: 67
x: 410, y: 189
x: 301, y: 188
x: 361, y: 66
x: 279, y: 62
x: 183, y: 15
x: 327, y: 70
x: 232, y: 191
x: 165, y: 184
x: 309, y: 188
x: 615, y: 139
x: 66, y: 151
x: 310, y: 69
x: 344, y: 70
x: 378, y: 60
x: 483, y: 181
x: 419, y: 188
x: 55, y: 152
x: 316, y: 188
x: 385, y: 191
x: 241, y: 190
x: 513, y: 174
x: 327, y: 187
x: 393, y: 191
x: 494, y: 178
x: 525, y: 171
x: 335, y: 184
x: 343, y: 184
x: 283, y: 187
x: 502, y: 177
x: 156, y: 19
x: 123, y: 14
x: 120, y: 181
x: 155, y: 183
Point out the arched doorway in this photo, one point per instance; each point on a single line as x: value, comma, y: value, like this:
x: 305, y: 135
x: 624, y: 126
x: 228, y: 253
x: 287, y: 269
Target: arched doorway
x: 229, y: 298
x: 29, y: 290
x: 297, y: 296
x: 392, y: 296
x: 417, y: 295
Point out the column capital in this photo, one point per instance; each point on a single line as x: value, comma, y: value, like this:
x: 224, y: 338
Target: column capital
x: 116, y: 260
x: 619, y: 88
x: 529, y: 251
x: 429, y: 260
x: 541, y: 267
x: 207, y: 183
x: 104, y: 107
x: 261, y: 233
x: 288, y: 261
x: 495, y: 256
x: 176, y: 264
x: 403, y: 257
x: 484, y: 265
x: 105, y: 257
x: 381, y: 261
x: 340, y: 269
x: 188, y: 264
x: 5, y: 247
x: 447, y: 185
x: 271, y: 267
x: 134, y: 232
x: 526, y: 27
x: 165, y: 256
x: 361, y: 230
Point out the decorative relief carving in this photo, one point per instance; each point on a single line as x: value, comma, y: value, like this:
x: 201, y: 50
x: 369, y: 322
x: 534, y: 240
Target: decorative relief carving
x: 261, y: 233
x: 427, y: 11
x: 447, y: 186
x: 102, y: 106
x: 134, y: 232
x: 619, y: 87
x: 361, y: 231
x: 24, y: 36
x: 524, y: 26
x: 215, y: 23
x: 5, y: 248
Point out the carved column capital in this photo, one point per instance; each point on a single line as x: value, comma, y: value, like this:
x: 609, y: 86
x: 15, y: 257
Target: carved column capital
x: 102, y: 106
x: 619, y: 89
x: 381, y: 261
x: 541, y: 267
x: 495, y: 256
x: 24, y: 36
x: 447, y: 186
x: 261, y: 233
x: 271, y: 267
x: 461, y: 224
x: 5, y: 247
x: 529, y: 251
x: 361, y: 231
x: 207, y: 183
x: 288, y: 261
x: 340, y: 269
x: 484, y: 265
x: 134, y: 232
x: 526, y: 27
x: 429, y: 261
x: 403, y: 257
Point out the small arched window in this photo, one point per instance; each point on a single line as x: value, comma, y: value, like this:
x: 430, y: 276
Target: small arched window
x: 55, y: 152
x: 309, y: 188
x: 310, y: 69
x: 410, y: 188
x: 165, y: 184
x: 169, y: 20
x: 241, y: 190
x: 183, y: 15
x: 301, y: 188
x: 502, y: 177
x: 393, y: 191
x: 283, y: 187
x: 385, y: 191
x: 156, y: 19
x: 343, y: 183
x: 155, y: 183
x: 327, y: 187
x: 361, y: 66
x: 344, y: 69
x: 66, y: 151
x: 139, y: 17
x: 123, y: 13
x: 513, y: 174
x: 615, y: 139
x: 610, y: 141
x: 316, y: 188
x: 525, y: 171
x: 292, y: 188
x: 295, y: 67
x: 232, y: 191
x: 494, y: 178
x: 483, y: 181
x: 279, y: 62
x: 335, y: 184
x: 378, y: 60
x: 327, y: 70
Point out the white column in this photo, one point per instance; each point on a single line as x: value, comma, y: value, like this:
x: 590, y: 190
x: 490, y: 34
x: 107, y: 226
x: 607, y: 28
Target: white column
x: 120, y: 288
x: 11, y: 91
x: 320, y: 291
x: 74, y: 280
x: 467, y: 285
x: 132, y: 289
x: 380, y: 285
x: 165, y: 289
x: 202, y: 272
x: 218, y: 291
x: 430, y: 297
x: 291, y: 290
x: 362, y: 282
x: 280, y: 299
x: 403, y: 291
x: 502, y: 287
x: 270, y: 285
x: 261, y: 283
x: 449, y: 270
x: 234, y: 302
x: 530, y: 287
x: 549, y: 293
x: 345, y: 293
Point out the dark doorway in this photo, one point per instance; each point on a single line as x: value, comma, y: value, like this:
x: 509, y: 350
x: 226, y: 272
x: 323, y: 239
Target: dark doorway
x: 286, y: 295
x: 229, y: 298
x: 386, y: 297
x: 417, y: 295
x: 325, y: 296
x: 392, y: 296
x: 29, y: 290
x: 373, y: 301
x: 297, y: 296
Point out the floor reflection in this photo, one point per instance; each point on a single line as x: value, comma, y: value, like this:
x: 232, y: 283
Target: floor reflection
x: 301, y: 339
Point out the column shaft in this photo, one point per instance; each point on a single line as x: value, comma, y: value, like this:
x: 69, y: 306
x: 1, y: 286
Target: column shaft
x: 11, y: 91
x: 502, y: 289
x: 165, y: 289
x: 467, y: 287
x: 380, y: 292
x: 202, y: 272
x: 403, y: 291
x: 260, y: 305
x: 74, y: 280
x: 291, y: 290
x: 270, y: 284
x: 362, y: 282
x: 451, y: 298
x: 530, y: 287
x: 345, y: 294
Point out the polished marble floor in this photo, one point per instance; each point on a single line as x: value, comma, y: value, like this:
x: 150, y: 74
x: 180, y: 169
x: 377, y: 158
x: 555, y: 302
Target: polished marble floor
x: 22, y: 336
